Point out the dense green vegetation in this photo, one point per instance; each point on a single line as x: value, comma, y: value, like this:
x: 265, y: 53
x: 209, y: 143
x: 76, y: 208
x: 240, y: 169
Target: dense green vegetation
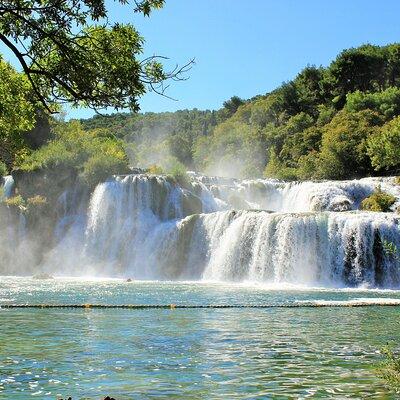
x: 390, y: 369
x: 17, y: 114
x: 337, y: 122
x: 162, y: 136
x: 69, y: 52
x: 94, y: 155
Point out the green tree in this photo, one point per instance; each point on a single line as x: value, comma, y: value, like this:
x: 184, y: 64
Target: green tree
x: 17, y: 112
x: 277, y: 169
x: 92, y: 155
x: 298, y: 130
x: 288, y: 101
x: 361, y: 68
x: 308, y: 86
x: 308, y: 166
x: 234, y: 149
x: 393, y: 64
x: 384, y: 146
x: 69, y: 52
x: 230, y: 106
x: 344, y: 145
x: 296, y: 143
x: 386, y: 102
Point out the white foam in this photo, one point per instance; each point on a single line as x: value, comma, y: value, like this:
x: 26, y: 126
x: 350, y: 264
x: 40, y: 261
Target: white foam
x: 379, y: 301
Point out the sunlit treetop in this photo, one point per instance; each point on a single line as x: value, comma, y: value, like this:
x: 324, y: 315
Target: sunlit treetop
x: 71, y: 53
x: 17, y: 112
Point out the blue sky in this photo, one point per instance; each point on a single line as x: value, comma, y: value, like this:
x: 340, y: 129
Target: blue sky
x: 248, y: 47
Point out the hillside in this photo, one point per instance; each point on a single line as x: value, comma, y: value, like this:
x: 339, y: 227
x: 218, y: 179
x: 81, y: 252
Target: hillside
x: 336, y: 122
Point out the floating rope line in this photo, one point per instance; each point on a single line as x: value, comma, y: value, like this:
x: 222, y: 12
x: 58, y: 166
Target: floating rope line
x: 207, y: 306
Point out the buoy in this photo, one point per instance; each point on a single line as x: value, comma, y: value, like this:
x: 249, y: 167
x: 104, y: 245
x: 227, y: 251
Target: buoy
x: 203, y: 306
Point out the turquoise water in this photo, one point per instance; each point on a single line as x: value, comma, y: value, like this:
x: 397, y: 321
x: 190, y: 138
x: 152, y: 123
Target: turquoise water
x: 190, y: 354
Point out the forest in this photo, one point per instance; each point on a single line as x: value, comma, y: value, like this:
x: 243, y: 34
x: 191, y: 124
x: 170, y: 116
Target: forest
x: 336, y: 122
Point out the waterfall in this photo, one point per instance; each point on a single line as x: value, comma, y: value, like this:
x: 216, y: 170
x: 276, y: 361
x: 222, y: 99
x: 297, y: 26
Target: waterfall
x: 275, y: 195
x: 14, y: 250
x: 330, y: 249
x: 124, y: 218
x: 8, y: 185
x: 265, y: 231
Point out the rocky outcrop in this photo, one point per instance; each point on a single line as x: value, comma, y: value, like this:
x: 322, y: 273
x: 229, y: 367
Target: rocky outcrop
x: 44, y: 182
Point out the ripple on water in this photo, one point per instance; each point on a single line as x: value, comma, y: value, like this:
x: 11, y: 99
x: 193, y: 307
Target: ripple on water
x: 197, y: 354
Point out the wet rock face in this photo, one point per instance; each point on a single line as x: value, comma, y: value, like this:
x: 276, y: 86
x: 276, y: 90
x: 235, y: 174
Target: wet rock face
x: 191, y: 204
x: 48, y: 183
x: 340, y: 205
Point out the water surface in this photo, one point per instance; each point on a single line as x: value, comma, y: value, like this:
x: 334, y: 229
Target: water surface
x: 196, y: 354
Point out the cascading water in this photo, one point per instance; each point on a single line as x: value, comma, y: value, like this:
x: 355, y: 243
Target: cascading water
x: 124, y: 212
x: 112, y: 234
x: 8, y: 185
x: 274, y: 195
x: 12, y: 235
x: 149, y: 227
x: 310, y: 248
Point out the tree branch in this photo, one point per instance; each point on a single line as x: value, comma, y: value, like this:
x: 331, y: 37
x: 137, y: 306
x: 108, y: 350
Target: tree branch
x: 25, y: 67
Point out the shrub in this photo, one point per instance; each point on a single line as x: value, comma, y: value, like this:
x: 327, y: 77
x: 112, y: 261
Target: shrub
x: 37, y: 201
x: 36, y: 205
x: 101, y: 166
x: 155, y: 170
x: 15, y: 202
x: 3, y: 169
x: 178, y: 172
x: 390, y: 249
x: 55, y: 154
x: 390, y: 369
x: 378, y: 201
